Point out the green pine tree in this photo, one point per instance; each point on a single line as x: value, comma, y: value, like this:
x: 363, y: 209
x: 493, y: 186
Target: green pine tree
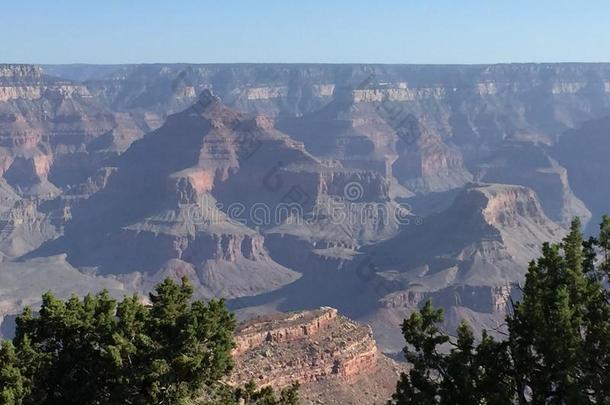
x: 14, y: 385
x: 468, y: 374
x: 98, y: 351
x: 558, y: 347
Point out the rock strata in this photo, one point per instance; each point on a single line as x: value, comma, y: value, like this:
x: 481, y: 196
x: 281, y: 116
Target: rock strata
x: 303, y: 347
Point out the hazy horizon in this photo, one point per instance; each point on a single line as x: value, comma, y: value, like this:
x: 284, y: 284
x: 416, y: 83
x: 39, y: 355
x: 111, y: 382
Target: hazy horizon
x: 309, y: 63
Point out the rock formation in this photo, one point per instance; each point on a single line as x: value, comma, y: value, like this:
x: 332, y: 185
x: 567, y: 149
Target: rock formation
x: 365, y: 128
x: 157, y: 213
x: 467, y: 258
x: 313, y: 348
x: 530, y: 165
x: 53, y: 135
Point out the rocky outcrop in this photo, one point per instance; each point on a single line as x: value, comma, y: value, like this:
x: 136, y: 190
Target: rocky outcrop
x: 26, y: 73
x: 354, y: 185
x: 54, y: 137
x: 280, y: 328
x: 369, y: 129
x: 530, y: 165
x: 304, y: 347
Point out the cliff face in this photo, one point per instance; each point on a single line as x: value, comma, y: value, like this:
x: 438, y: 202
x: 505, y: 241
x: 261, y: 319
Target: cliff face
x: 311, y: 348
x: 584, y: 153
x: 281, y: 328
x: 533, y: 167
x: 299, y: 89
x: 303, y: 348
x: 50, y: 126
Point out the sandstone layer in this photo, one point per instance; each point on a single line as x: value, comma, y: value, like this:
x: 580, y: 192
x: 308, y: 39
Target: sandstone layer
x: 320, y: 349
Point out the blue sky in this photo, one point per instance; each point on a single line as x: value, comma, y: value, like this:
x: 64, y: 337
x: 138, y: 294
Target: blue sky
x: 331, y: 31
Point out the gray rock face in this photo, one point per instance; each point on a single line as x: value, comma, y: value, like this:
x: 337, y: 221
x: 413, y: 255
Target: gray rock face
x: 584, y: 153
x: 274, y: 185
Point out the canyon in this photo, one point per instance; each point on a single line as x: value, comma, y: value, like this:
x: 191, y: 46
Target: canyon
x: 291, y: 187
